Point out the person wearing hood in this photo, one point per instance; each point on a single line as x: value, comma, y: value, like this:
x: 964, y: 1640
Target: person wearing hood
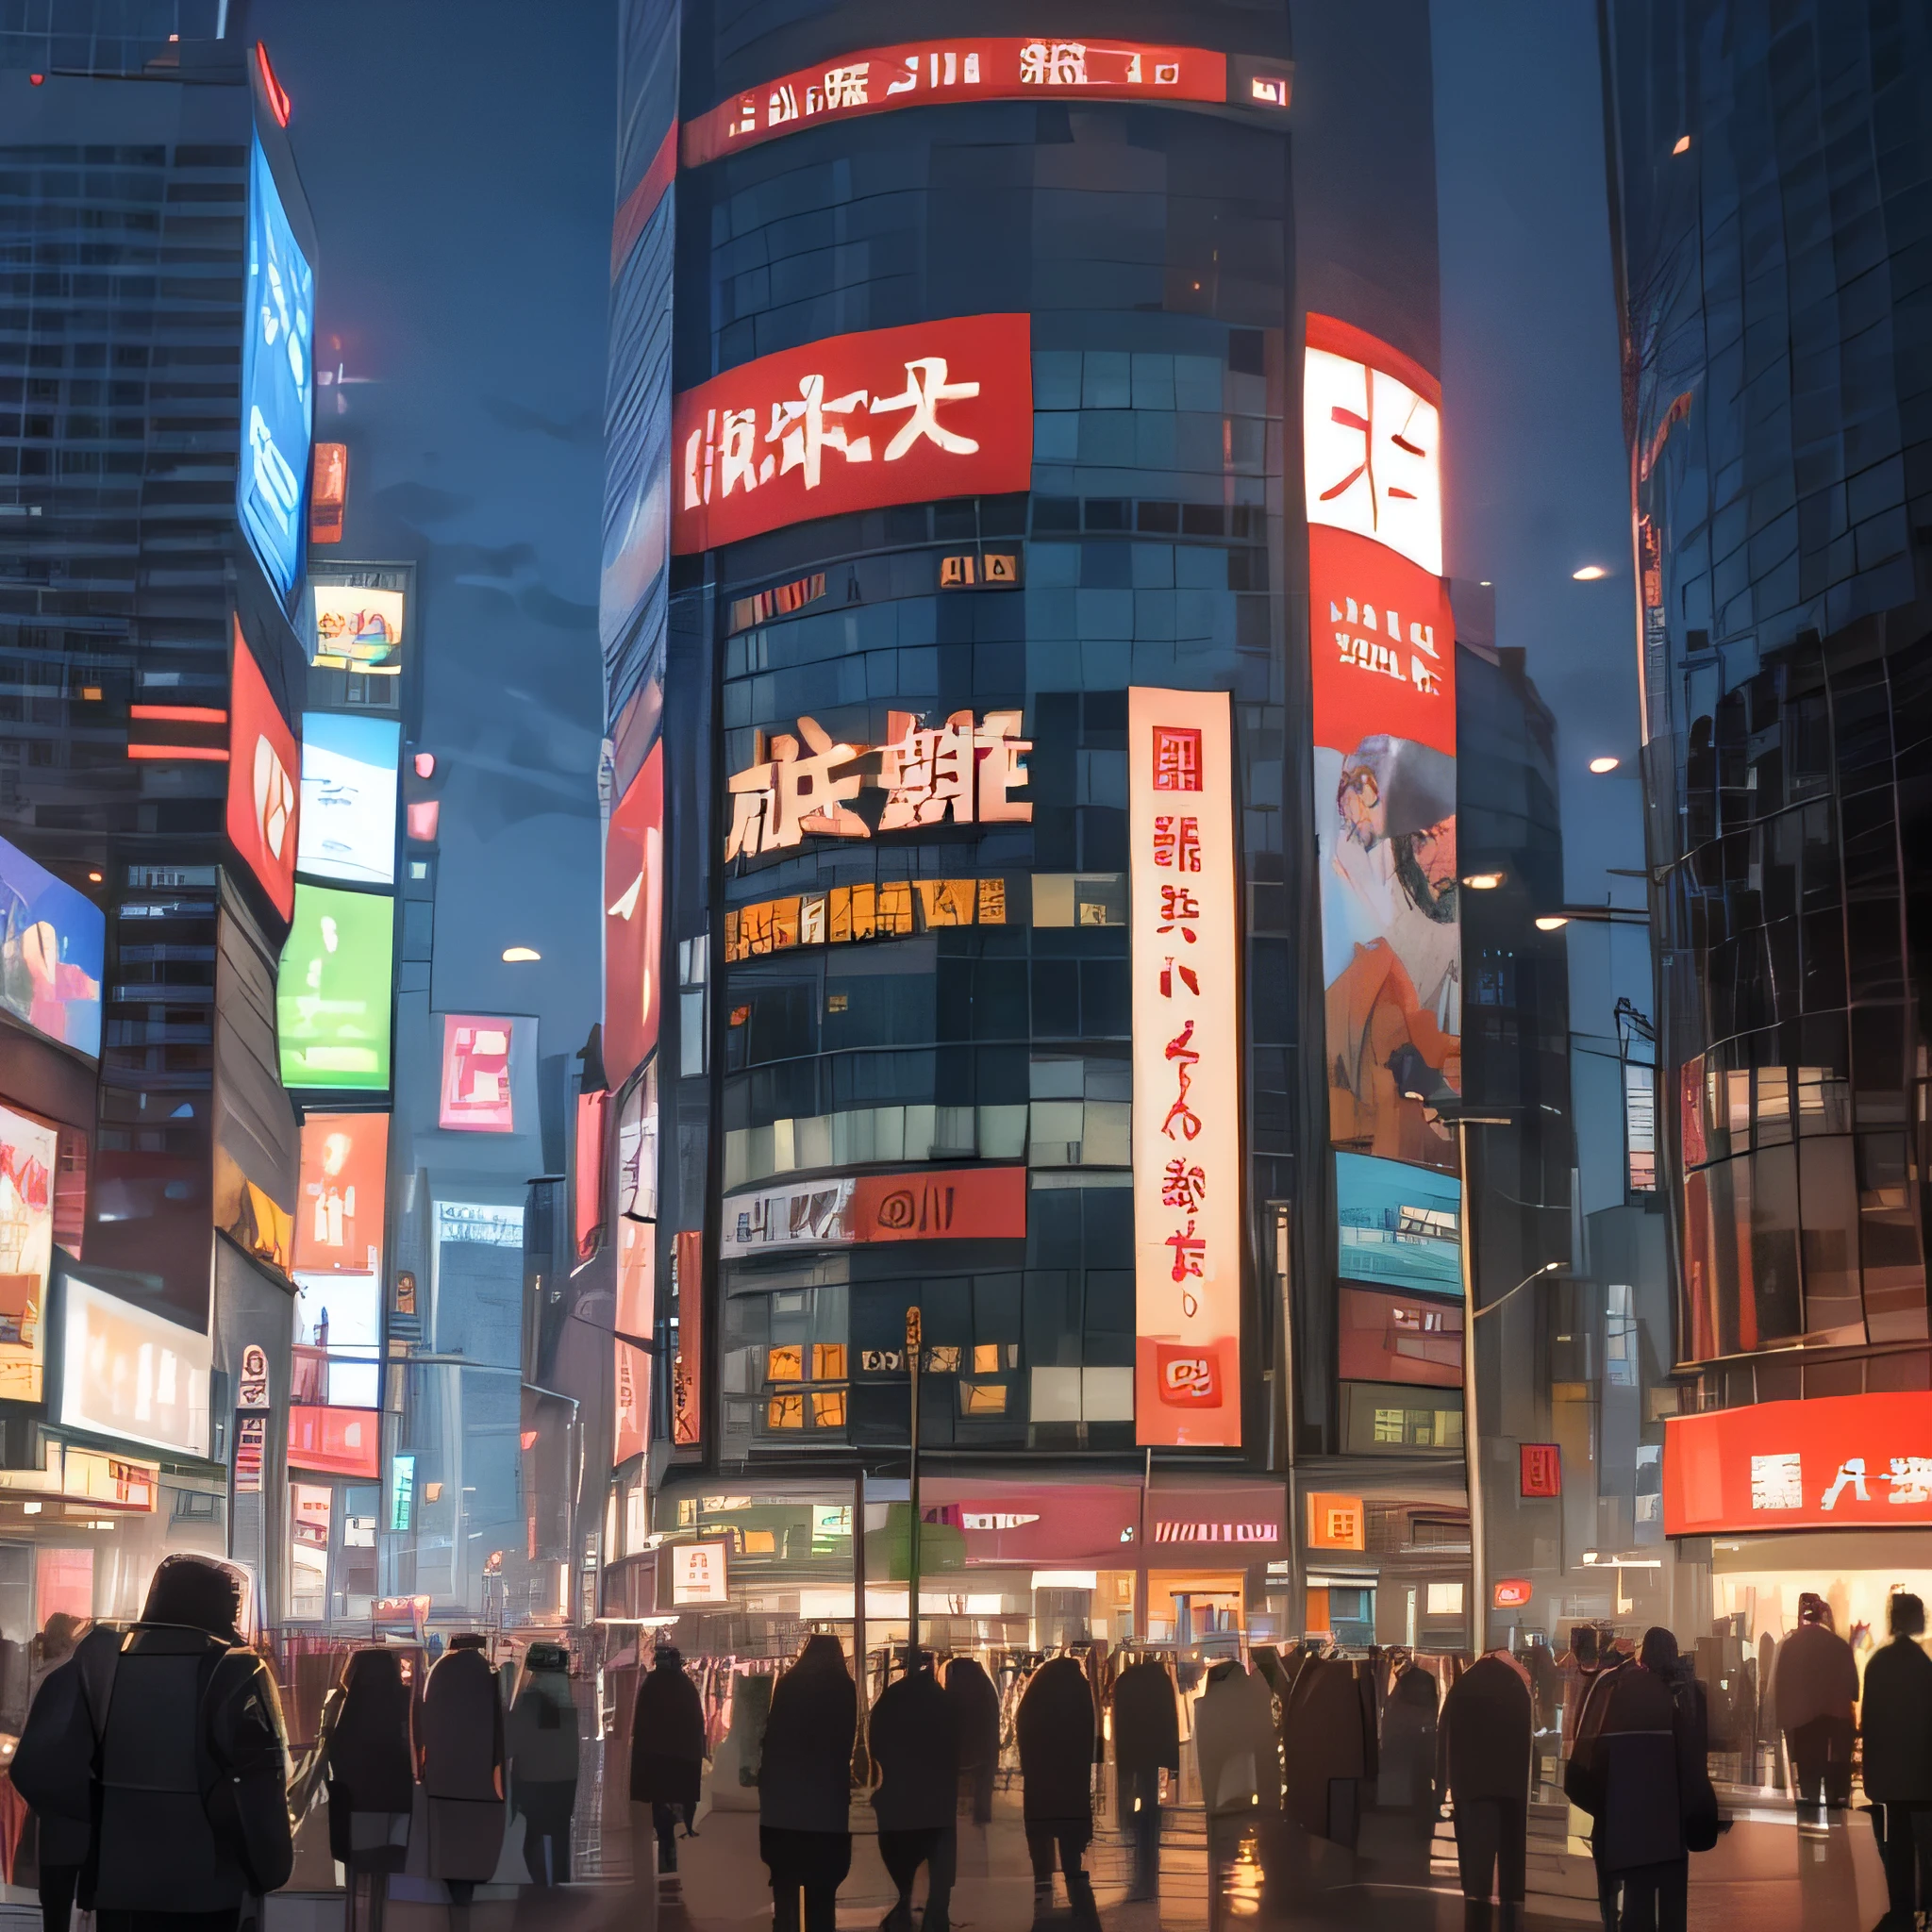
x: 914, y: 1742
x: 1056, y: 1731
x: 1815, y: 1686
x: 805, y: 1787
x: 371, y: 1780
x: 976, y: 1722
x: 666, y: 1750
x: 543, y: 1744
x: 1482, y: 1762
x: 1897, y: 1712
x: 1645, y: 1739
x: 180, y: 1694
x: 459, y: 1749
x: 1146, y: 1742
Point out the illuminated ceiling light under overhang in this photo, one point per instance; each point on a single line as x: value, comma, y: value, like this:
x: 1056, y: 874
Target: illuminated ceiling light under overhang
x: 1482, y: 881
x: 1551, y: 923
x: 1604, y: 764
x: 1590, y: 574
x: 1683, y: 146
x: 517, y: 955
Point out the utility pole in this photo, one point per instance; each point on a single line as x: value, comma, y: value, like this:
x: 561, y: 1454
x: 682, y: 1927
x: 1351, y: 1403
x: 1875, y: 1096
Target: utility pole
x: 1471, y: 1434
x: 913, y: 1354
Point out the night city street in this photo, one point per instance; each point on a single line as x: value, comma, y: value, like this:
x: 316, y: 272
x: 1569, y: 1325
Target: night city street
x: 965, y: 968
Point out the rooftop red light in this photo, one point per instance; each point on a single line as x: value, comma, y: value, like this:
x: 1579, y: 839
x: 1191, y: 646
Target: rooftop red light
x: 278, y: 95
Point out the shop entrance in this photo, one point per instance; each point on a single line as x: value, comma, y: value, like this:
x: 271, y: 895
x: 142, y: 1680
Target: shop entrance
x: 1196, y: 1608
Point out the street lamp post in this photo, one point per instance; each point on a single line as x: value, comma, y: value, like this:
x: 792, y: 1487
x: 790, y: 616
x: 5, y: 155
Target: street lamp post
x: 1471, y: 1435
x: 912, y: 1352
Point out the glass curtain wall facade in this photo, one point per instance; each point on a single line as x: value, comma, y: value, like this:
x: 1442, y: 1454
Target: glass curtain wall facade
x: 1770, y: 166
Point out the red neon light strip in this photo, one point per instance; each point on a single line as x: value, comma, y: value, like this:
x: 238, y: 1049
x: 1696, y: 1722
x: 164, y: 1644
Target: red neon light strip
x: 179, y: 714
x: 278, y: 96
x: 207, y: 754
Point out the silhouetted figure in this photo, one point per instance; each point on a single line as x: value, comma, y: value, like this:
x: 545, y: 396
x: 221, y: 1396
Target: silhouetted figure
x: 179, y: 1698
x: 1482, y: 1759
x: 543, y: 1740
x: 1055, y: 1723
x: 1648, y: 1733
x: 62, y: 1835
x: 1146, y: 1742
x: 805, y: 1787
x: 1897, y: 1712
x: 459, y: 1749
x: 976, y: 1711
x: 667, y: 1750
x: 1816, y: 1685
x: 1326, y: 1745
x: 1407, y: 1780
x: 370, y: 1777
x: 1234, y: 1742
x: 915, y: 1746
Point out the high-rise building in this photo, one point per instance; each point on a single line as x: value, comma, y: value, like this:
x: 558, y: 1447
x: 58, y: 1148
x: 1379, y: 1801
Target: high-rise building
x: 1031, y: 882
x: 1768, y: 168
x: 155, y: 401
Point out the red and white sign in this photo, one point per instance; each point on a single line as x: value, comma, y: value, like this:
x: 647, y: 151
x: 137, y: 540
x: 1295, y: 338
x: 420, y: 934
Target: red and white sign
x: 637, y: 1255
x: 335, y: 1442
x: 1512, y: 1592
x: 1539, y: 1469
x: 955, y: 1204
x: 264, y: 783
x: 919, y: 73
x: 633, y: 920
x: 1187, y: 1069
x: 698, y: 1573
x: 475, y: 1075
x: 1832, y: 1462
x: 893, y: 415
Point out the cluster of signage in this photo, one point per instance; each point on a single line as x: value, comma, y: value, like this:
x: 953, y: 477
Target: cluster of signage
x: 977, y: 1202
x: 893, y: 909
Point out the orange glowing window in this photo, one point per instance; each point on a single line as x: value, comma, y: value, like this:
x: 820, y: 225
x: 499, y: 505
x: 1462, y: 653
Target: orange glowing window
x: 829, y: 1409
x: 982, y: 1398
x: 985, y: 1359
x: 785, y: 1364
x: 828, y: 1361
x: 785, y: 1412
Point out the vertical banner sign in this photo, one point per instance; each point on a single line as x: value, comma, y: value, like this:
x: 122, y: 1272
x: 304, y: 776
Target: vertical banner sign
x: 686, y: 1365
x: 1384, y: 698
x: 1186, y: 1070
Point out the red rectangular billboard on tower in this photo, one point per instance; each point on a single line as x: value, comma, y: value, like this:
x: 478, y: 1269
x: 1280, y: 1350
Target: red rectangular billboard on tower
x: 892, y: 415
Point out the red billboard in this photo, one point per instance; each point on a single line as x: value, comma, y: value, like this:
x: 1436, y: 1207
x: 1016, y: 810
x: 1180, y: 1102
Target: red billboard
x: 924, y: 1204
x: 892, y: 415
x: 633, y: 920
x: 344, y: 1175
x: 920, y: 73
x: 1832, y: 1462
x: 336, y: 1442
x: 264, y: 766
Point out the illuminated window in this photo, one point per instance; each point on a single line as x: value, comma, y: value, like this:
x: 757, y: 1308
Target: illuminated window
x: 982, y: 1398
x: 1390, y: 1425
x: 785, y: 1412
x: 837, y: 1001
x: 829, y: 1409
x: 687, y: 1512
x: 760, y: 1543
x: 1445, y: 1600
x: 786, y: 1363
x: 1079, y: 898
x: 828, y: 1361
x: 985, y: 1359
x: 943, y: 1360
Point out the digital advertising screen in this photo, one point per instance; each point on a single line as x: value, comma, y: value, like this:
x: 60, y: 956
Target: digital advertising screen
x: 633, y: 920
x: 335, y: 1442
x: 51, y: 954
x: 278, y: 392
x: 28, y: 1161
x: 349, y: 797
x: 475, y: 1075
x: 263, y: 760
x: 339, y: 1201
x: 130, y: 1374
x: 1400, y: 1226
x: 340, y: 1314
x: 332, y: 996
x: 358, y: 628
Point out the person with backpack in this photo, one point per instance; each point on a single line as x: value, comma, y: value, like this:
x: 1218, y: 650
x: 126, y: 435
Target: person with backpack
x: 182, y: 1728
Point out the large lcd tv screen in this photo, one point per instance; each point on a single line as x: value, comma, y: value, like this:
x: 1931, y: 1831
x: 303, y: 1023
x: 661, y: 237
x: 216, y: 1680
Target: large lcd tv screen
x: 332, y: 996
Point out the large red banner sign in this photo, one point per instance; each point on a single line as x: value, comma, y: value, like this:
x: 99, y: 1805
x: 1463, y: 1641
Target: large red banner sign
x: 633, y: 920
x: 264, y: 765
x: 892, y: 415
x: 1834, y: 1463
x: 919, y: 73
x: 951, y: 1204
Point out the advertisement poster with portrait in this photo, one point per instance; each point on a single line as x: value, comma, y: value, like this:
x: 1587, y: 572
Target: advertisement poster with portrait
x: 53, y: 942
x: 27, y: 1164
x: 339, y: 1210
x: 332, y: 992
x: 1384, y: 688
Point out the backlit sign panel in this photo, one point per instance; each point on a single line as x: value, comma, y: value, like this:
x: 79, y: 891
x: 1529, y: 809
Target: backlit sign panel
x: 1384, y: 701
x: 856, y: 422
x: 358, y: 628
x: 336, y: 1442
x: 960, y: 1203
x: 1539, y: 1469
x: 811, y: 786
x: 697, y: 1574
x: 339, y: 1207
x: 1187, y: 1069
x: 636, y: 1252
x: 1400, y: 1226
x: 476, y: 1096
x: 349, y: 797
x: 329, y: 491
x: 277, y: 389
x: 1828, y: 1462
x: 332, y: 995
x: 687, y: 1361
x: 262, y: 763
x: 1337, y: 1522
x: 919, y: 73
x: 132, y: 1374
x: 28, y: 1161
x: 52, y: 946
x: 633, y: 920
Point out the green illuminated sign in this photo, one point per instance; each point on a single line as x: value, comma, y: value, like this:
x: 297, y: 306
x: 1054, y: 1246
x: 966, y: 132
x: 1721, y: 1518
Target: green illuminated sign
x: 332, y: 996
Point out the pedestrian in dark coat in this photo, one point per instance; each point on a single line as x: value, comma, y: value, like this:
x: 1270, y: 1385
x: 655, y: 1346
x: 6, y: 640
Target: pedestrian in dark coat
x: 459, y: 1748
x: 1897, y: 1712
x: 1146, y: 1742
x: 1056, y: 1730
x: 1648, y: 1738
x: 370, y: 1777
x: 805, y: 1787
x: 914, y: 1742
x: 1482, y: 1761
x: 1406, y: 1779
x: 543, y: 1740
x: 666, y: 1750
x: 976, y: 1711
x: 1815, y: 1684
x: 1324, y: 1749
